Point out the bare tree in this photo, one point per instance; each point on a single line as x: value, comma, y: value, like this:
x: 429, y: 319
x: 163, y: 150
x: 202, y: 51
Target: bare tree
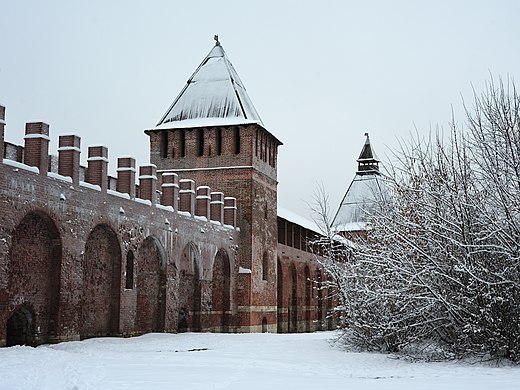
x: 440, y: 262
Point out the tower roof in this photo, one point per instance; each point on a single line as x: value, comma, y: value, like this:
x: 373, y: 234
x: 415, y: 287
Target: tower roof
x: 365, y: 190
x: 213, y: 95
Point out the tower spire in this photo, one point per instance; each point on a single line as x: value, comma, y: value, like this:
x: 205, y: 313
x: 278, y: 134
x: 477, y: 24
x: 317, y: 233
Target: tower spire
x: 367, y: 161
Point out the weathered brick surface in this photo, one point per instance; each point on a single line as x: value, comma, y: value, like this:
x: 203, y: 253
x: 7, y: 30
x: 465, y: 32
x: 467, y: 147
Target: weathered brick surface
x: 244, y: 171
x: 2, y: 129
x: 97, y: 170
x: 69, y: 157
x: 148, y: 183
x: 37, y: 146
x: 81, y: 259
x: 126, y: 176
x: 77, y: 240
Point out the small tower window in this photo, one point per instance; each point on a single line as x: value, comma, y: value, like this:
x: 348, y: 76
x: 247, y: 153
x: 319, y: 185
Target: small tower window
x: 237, y: 140
x: 200, y: 142
x: 129, y: 283
x: 256, y: 143
x: 164, y: 144
x: 219, y: 141
x: 182, y: 143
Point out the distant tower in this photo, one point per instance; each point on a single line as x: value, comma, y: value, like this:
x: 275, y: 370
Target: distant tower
x: 212, y: 134
x: 366, y: 188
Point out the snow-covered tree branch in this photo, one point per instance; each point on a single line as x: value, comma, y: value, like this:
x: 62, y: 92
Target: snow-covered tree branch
x: 440, y: 262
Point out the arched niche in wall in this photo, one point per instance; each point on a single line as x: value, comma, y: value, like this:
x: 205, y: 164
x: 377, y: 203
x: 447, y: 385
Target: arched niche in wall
x: 281, y: 320
x: 101, y: 283
x: 308, y: 291
x: 189, y: 289
x: 151, y: 286
x: 34, y: 281
x: 293, y: 309
x: 221, y: 292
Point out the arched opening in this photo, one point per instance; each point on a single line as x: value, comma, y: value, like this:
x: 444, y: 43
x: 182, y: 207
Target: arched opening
x: 320, y: 299
x: 264, y: 325
x: 293, y: 316
x: 279, y: 300
x: 34, y: 278
x: 151, y: 286
x: 307, y: 299
x: 20, y: 327
x: 220, y: 292
x: 330, y: 308
x: 101, y: 283
x: 189, y: 290
x: 129, y: 271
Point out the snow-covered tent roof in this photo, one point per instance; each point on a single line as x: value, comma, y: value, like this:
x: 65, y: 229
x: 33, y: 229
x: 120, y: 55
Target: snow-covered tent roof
x: 367, y: 188
x: 214, y: 95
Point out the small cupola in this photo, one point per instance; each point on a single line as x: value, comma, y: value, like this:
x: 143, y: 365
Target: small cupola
x: 368, y: 163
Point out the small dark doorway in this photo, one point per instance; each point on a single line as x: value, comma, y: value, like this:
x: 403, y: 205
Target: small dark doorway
x: 182, y: 324
x: 264, y: 325
x: 19, y: 328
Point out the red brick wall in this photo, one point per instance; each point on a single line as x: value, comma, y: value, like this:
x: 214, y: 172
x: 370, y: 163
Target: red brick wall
x: 78, y: 225
x: 250, y: 177
x: 2, y: 129
x: 188, y: 273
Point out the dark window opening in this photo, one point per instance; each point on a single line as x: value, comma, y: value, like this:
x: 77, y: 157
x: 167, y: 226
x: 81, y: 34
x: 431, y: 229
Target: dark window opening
x: 164, y: 144
x: 200, y: 142
x: 182, y: 143
x: 129, y: 283
x: 266, y: 149
x: 237, y: 140
x: 256, y: 143
x: 281, y: 231
x: 219, y: 141
x: 290, y: 238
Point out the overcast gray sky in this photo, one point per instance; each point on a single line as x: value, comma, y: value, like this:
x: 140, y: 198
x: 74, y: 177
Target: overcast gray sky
x: 320, y: 73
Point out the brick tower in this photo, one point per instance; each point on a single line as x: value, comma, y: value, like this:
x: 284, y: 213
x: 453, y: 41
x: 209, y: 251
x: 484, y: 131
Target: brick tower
x: 212, y: 134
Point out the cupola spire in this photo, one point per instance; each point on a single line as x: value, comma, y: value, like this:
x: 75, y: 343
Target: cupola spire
x: 367, y: 161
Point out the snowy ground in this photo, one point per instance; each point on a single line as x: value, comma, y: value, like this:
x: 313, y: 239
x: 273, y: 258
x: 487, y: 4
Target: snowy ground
x: 232, y: 361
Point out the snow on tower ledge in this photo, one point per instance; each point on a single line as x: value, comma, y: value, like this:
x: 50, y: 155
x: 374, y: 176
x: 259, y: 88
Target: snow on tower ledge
x: 213, y: 96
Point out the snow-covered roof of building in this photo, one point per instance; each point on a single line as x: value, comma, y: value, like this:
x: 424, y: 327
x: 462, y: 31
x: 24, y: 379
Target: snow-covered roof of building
x: 298, y: 220
x: 214, y: 95
x: 310, y: 225
x: 367, y: 188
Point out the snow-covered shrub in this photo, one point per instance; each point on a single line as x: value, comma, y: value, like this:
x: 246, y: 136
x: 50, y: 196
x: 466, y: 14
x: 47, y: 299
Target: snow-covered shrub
x: 441, y: 261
